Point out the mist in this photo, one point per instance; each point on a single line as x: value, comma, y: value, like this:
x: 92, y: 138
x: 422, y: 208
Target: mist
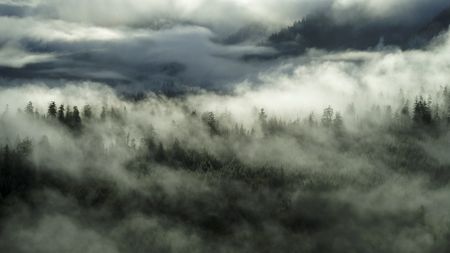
x: 182, y: 46
x: 224, y: 126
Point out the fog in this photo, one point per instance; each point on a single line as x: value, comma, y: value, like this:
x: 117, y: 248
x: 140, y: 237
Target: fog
x: 184, y: 126
x: 180, y: 46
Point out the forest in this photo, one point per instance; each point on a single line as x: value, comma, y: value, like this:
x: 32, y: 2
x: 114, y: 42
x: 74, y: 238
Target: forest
x: 224, y: 126
x: 156, y: 174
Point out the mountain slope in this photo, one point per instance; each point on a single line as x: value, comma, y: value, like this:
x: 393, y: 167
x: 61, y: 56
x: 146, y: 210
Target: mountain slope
x: 436, y: 26
x: 322, y: 32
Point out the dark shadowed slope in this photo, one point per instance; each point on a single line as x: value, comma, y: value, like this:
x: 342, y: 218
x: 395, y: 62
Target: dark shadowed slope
x: 323, y: 32
x: 320, y: 31
x: 434, y: 28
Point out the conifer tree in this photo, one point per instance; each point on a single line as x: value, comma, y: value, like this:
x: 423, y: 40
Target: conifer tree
x: 422, y: 112
x: 210, y: 120
x: 68, y: 119
x: 87, y: 112
x: 76, y: 119
x: 262, y: 117
x: 29, y: 109
x: 52, y: 111
x: 60, y: 113
x: 327, y: 117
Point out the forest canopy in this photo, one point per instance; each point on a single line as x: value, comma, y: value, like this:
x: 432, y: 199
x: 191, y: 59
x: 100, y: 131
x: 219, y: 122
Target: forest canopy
x: 167, y: 170
x: 197, y: 126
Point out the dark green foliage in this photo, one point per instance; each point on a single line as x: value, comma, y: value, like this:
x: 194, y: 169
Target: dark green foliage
x: 76, y: 119
x: 68, y: 118
x: 446, y: 105
x: 422, y: 112
x: 16, y: 173
x: 210, y: 120
x: 229, y: 196
x: 274, y: 126
x: 52, y: 110
x: 60, y: 114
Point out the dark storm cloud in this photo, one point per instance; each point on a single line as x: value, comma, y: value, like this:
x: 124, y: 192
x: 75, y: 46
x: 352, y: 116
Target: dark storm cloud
x: 179, y: 44
x: 145, y: 58
x: 14, y: 10
x: 211, y: 171
x: 231, y: 12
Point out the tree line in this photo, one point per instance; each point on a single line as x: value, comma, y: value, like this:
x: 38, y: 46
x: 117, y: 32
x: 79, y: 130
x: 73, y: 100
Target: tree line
x: 423, y: 113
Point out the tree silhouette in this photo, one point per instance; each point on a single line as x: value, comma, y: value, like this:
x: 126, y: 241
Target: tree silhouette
x: 210, y: 120
x: 262, y: 117
x: 68, y: 119
x: 87, y: 112
x: 76, y: 119
x: 327, y: 117
x: 29, y: 109
x: 52, y: 111
x: 60, y: 113
x: 422, y: 112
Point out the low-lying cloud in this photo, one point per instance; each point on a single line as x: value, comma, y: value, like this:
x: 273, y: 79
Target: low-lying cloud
x: 174, y: 46
x: 248, y: 150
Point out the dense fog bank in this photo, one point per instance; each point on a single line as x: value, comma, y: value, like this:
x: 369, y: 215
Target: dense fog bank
x: 96, y: 172
x: 172, y: 127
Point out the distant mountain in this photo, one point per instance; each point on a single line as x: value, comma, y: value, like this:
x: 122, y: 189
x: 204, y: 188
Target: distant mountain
x: 436, y: 26
x: 322, y: 32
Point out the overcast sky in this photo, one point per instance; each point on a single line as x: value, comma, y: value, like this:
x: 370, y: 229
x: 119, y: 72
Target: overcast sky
x: 169, y: 44
x: 250, y: 157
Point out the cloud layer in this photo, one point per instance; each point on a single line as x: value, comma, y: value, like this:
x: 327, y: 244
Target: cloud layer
x: 178, y: 126
x: 170, y: 45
